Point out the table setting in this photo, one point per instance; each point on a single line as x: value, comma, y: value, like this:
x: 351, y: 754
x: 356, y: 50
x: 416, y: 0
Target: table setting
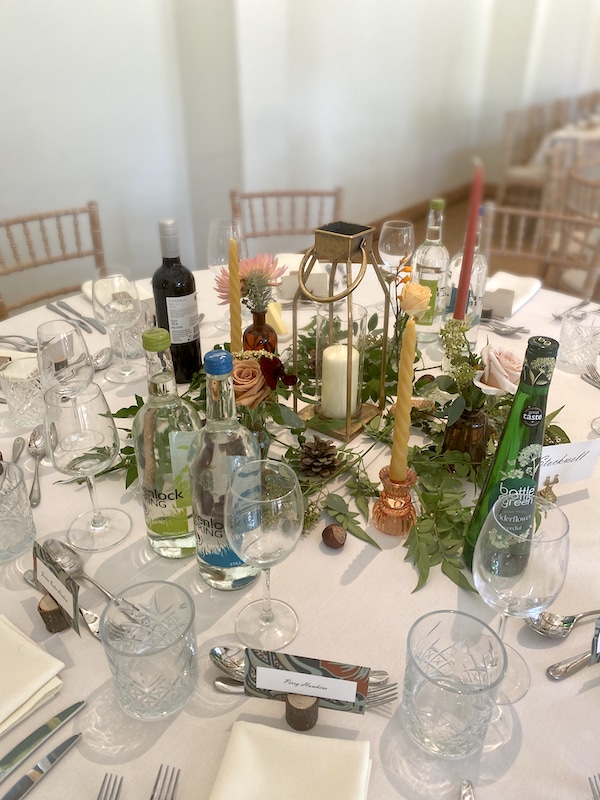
x: 357, y: 612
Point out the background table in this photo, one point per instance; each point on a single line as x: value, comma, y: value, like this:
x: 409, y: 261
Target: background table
x: 354, y: 605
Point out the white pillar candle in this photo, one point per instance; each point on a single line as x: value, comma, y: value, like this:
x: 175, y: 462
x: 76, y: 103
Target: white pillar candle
x: 334, y: 381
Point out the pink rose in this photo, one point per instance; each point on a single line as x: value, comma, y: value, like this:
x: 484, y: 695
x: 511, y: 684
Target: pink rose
x: 249, y: 383
x: 501, y: 369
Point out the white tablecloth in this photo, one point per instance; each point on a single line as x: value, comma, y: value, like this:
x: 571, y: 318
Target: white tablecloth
x: 354, y: 605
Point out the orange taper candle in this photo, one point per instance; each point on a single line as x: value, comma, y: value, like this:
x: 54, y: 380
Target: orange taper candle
x: 399, y: 462
x: 235, y: 303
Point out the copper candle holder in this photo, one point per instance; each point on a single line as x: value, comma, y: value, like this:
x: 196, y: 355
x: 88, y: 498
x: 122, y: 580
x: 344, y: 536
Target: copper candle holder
x: 394, y: 512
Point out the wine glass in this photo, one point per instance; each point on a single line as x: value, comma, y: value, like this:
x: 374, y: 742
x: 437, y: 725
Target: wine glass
x: 63, y: 358
x: 264, y: 514
x: 117, y: 305
x: 396, y: 244
x: 82, y: 440
x: 220, y: 232
x: 596, y: 425
x: 519, y: 567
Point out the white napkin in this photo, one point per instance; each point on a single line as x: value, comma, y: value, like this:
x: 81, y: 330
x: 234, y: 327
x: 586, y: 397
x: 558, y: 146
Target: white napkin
x: 86, y: 290
x: 27, y: 675
x: 263, y: 763
x: 524, y: 287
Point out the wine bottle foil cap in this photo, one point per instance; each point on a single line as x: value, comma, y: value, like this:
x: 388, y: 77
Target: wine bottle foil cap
x: 541, y: 347
x: 218, y: 362
x: 156, y: 339
x: 167, y: 227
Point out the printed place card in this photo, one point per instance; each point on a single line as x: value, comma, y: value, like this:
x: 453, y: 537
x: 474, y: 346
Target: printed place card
x: 274, y: 675
x: 566, y: 463
x: 58, y: 583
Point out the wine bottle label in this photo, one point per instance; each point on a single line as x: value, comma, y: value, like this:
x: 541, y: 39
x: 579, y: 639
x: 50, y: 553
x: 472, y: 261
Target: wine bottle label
x: 211, y: 542
x: 182, y: 313
x: 168, y: 503
x: 432, y: 284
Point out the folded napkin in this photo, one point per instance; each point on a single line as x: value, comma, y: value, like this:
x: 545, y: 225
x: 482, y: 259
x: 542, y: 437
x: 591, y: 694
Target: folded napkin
x: 86, y: 290
x: 523, y: 287
x: 263, y: 763
x: 27, y: 675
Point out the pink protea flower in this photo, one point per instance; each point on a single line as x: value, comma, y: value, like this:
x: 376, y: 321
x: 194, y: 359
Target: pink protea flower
x: 263, y: 267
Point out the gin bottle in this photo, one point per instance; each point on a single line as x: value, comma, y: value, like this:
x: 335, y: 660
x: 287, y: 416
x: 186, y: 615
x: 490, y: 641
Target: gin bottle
x: 218, y: 448
x: 479, y: 273
x: 430, y: 268
x: 163, y: 431
x: 515, y: 469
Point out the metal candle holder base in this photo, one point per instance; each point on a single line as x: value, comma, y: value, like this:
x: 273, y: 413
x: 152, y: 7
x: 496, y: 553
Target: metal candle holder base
x: 394, y: 512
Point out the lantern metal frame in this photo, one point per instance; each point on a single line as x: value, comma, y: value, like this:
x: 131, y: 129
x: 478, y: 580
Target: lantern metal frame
x: 347, y: 244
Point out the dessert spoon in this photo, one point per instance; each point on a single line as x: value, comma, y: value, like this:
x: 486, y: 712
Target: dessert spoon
x: 557, y: 625
x: 37, y: 448
x: 70, y: 560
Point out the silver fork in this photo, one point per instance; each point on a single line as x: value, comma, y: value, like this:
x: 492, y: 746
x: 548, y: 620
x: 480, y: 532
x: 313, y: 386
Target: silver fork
x: 595, y: 786
x: 379, y: 695
x: 581, y: 304
x: 21, y: 343
x: 166, y: 784
x: 111, y: 787
x: 593, y: 372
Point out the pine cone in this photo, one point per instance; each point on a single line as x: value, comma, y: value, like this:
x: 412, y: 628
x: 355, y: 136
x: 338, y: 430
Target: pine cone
x: 319, y: 457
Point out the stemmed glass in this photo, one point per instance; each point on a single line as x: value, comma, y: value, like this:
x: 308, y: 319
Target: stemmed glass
x: 396, y: 244
x: 596, y: 425
x: 117, y: 304
x: 63, y: 357
x: 220, y: 232
x: 519, y: 567
x: 264, y: 514
x: 82, y: 440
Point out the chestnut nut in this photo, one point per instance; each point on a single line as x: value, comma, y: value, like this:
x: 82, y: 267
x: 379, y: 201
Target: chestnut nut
x: 334, y: 536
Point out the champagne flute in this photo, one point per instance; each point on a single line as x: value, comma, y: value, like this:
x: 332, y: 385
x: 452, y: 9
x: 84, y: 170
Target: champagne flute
x: 396, y: 244
x: 220, y: 232
x: 82, y: 440
x: 117, y: 304
x: 264, y: 514
x: 519, y: 567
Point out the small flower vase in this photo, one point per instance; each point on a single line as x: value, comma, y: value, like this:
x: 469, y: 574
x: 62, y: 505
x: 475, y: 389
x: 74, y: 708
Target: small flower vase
x: 394, y: 512
x: 259, y: 335
x: 263, y: 437
x: 469, y: 434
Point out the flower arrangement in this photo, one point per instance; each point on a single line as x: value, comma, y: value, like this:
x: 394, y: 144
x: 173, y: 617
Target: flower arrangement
x: 258, y: 276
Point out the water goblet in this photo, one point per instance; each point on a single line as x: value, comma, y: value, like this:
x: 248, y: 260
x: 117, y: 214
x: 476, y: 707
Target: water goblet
x: 82, y: 440
x: 63, y: 358
x: 264, y: 513
x: 117, y: 304
x: 519, y: 568
x: 396, y: 244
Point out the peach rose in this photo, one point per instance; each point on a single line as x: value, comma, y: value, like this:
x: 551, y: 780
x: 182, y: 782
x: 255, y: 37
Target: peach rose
x: 249, y: 383
x: 501, y: 369
x: 414, y: 300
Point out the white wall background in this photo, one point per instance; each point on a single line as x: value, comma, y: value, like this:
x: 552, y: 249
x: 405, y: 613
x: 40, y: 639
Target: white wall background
x: 158, y: 107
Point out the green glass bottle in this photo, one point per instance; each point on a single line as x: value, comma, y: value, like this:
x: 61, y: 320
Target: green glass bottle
x: 163, y: 431
x: 516, y: 465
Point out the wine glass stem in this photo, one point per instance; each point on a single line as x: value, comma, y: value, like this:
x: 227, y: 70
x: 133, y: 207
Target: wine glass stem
x: 125, y: 369
x: 266, y: 616
x: 502, y: 626
x: 98, y: 518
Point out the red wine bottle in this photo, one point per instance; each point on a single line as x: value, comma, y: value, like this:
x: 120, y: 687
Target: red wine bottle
x: 174, y: 290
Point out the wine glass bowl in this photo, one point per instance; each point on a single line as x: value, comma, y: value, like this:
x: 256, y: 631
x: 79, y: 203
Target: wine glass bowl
x: 63, y: 358
x: 117, y: 305
x: 396, y: 244
x: 82, y: 440
x: 264, y: 514
x: 519, y: 567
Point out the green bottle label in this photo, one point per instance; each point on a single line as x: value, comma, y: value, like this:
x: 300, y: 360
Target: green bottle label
x: 429, y: 315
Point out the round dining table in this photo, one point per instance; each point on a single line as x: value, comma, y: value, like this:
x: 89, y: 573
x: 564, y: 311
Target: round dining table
x: 354, y: 604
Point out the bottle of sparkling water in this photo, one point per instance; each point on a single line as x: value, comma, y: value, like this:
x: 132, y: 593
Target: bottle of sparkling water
x: 515, y: 469
x: 218, y: 448
x: 430, y: 268
x: 163, y: 431
x: 479, y: 273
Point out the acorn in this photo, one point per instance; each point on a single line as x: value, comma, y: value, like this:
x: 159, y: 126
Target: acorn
x: 334, y: 536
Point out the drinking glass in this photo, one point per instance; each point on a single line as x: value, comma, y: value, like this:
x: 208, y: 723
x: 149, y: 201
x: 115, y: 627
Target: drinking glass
x: 264, y: 513
x: 396, y: 244
x: 596, y: 425
x: 63, y: 358
x: 82, y: 440
x: 519, y: 567
x: 117, y: 305
x: 220, y: 232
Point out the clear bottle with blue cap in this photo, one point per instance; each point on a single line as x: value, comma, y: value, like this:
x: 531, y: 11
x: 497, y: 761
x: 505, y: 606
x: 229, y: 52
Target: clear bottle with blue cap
x: 163, y: 431
x: 218, y: 448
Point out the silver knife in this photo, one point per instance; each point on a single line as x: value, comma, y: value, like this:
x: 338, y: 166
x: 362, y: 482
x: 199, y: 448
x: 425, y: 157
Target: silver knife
x: 19, y: 753
x: 94, y: 322
x: 61, y: 313
x: 27, y: 782
x: 589, y: 380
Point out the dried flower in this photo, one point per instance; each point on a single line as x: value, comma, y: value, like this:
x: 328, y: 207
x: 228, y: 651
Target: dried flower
x: 258, y: 276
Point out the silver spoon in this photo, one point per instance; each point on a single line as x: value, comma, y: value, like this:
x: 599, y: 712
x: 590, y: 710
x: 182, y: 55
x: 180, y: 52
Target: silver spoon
x: 557, y: 625
x: 231, y: 659
x: 70, y: 560
x: 37, y: 448
x: 91, y: 619
x: 18, y: 445
x: 504, y: 330
x: 102, y: 359
x: 569, y: 666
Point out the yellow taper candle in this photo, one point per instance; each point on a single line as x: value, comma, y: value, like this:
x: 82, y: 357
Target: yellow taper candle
x: 399, y: 462
x: 235, y: 303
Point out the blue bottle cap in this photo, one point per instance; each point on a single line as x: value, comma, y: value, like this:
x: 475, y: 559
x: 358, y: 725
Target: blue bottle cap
x: 218, y: 362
